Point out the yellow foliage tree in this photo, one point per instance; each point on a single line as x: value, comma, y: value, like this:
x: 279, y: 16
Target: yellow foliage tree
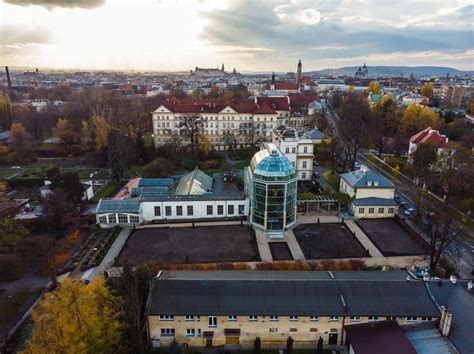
x: 76, y: 318
x: 206, y: 146
x: 427, y: 90
x: 101, y: 132
x: 417, y: 118
x: 374, y: 87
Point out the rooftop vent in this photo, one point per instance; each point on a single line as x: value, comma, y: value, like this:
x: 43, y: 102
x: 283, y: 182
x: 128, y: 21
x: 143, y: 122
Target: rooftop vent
x: 453, y: 279
x: 274, y: 152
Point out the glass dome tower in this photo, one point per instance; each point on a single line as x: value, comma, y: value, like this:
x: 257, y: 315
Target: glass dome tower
x: 273, y: 195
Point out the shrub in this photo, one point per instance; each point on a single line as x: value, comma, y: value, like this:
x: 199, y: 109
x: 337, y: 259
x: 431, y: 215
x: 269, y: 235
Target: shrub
x: 22, y: 182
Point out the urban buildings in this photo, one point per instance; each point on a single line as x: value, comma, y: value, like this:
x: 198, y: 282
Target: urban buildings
x: 427, y: 136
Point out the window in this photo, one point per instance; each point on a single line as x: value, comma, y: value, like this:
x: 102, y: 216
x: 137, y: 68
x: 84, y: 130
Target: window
x: 313, y: 329
x: 241, y: 209
x: 391, y: 318
x: 293, y: 330
x: 166, y: 318
x: 373, y: 318
x: 293, y: 150
x: 305, y: 149
x: 287, y: 150
x: 412, y: 319
x: 253, y: 318
x: 168, y: 210
x: 103, y: 219
x: 313, y: 318
x: 293, y: 318
x: 212, y: 321
x: 273, y: 330
x: 230, y: 209
x: 190, y: 332
x: 189, y: 318
x: 220, y: 210
x: 273, y: 318
x: 355, y: 318
x: 209, y: 210
x: 190, y: 210
x: 304, y: 164
x: 361, y: 210
x: 381, y: 210
x: 232, y: 318
x: 167, y: 332
x: 334, y: 318
x: 426, y: 318
x: 371, y: 210
x: 391, y: 210
x: 112, y: 218
x: 303, y: 175
x: 179, y: 210
x: 134, y: 219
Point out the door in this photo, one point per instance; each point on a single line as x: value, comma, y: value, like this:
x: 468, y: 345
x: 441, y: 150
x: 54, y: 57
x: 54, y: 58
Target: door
x: 332, y: 339
x: 231, y: 340
x: 208, y: 342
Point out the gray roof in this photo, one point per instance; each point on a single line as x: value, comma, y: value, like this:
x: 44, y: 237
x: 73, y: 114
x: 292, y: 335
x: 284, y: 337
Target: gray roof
x: 156, y: 182
x: 374, y: 202
x: 210, y: 196
x: 118, y: 206
x: 315, y: 134
x: 461, y: 303
x: 288, y: 293
x: 361, y: 179
x: 195, y: 183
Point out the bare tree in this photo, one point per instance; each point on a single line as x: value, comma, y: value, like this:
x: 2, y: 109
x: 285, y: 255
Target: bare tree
x: 191, y: 126
x: 249, y: 133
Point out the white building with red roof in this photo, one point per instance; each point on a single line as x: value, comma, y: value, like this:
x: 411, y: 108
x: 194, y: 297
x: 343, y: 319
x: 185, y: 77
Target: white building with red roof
x: 430, y: 136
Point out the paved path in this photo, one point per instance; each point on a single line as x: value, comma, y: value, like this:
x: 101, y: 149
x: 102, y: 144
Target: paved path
x: 294, y: 246
x: 113, y: 253
x: 363, y: 239
x: 262, y: 243
x: 312, y: 218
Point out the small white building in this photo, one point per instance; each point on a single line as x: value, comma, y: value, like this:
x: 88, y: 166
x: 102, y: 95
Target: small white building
x: 373, y: 194
x: 427, y: 136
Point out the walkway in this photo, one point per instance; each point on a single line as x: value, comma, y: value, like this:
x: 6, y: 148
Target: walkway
x: 262, y: 244
x: 294, y: 246
x: 363, y: 239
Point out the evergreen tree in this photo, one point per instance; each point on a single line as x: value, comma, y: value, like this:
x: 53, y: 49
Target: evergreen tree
x: 114, y: 152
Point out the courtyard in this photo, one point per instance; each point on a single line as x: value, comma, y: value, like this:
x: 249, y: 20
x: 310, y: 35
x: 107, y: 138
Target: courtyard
x: 210, y: 244
x: 328, y: 240
x: 391, y: 238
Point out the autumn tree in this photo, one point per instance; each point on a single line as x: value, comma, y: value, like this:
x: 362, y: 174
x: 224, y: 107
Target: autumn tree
x: 249, y: 134
x: 206, y: 147
x: 20, y: 144
x: 11, y: 234
x: 191, y: 126
x: 6, y: 112
x: 417, y: 118
x: 386, y: 122
x: 68, y: 137
x: 374, y: 87
x: 427, y: 90
x: 101, y: 130
x: 77, y: 318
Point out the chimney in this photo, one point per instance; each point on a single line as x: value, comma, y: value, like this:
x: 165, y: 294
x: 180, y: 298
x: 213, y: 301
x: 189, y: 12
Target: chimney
x: 445, y: 322
x: 8, y: 77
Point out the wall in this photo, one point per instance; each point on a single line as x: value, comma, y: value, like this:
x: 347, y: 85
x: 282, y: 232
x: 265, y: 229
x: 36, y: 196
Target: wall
x: 376, y: 214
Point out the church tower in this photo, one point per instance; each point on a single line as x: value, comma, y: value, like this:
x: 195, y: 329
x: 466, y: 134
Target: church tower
x: 298, y: 73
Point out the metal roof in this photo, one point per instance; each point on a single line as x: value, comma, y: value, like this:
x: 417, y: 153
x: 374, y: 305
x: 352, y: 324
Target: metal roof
x: 271, y: 163
x: 118, y: 206
x: 155, y: 182
x: 194, y: 183
x: 372, y: 201
x: 361, y: 179
x: 287, y: 293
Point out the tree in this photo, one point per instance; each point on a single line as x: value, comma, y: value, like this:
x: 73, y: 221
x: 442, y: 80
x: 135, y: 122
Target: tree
x: 192, y: 127
x: 11, y: 234
x: 417, y: 118
x: 257, y: 344
x: 427, y: 90
x: 115, y: 159
x: 319, y: 348
x: 470, y: 107
x: 132, y: 286
x: 101, y: 131
x: 229, y: 139
x: 424, y: 157
x: 72, y: 186
x: 6, y: 112
x: 206, y: 146
x: 69, y: 138
x: 56, y: 208
x: 22, y: 151
x: 160, y: 167
x: 386, y: 122
x: 374, y: 87
x: 85, y: 134
x: 76, y: 318
x: 249, y: 134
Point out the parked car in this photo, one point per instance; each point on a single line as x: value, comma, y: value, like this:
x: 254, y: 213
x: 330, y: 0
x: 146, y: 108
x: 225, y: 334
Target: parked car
x: 315, y: 163
x: 357, y: 165
x: 409, y: 212
x: 397, y: 199
x: 316, y: 174
x: 404, y: 205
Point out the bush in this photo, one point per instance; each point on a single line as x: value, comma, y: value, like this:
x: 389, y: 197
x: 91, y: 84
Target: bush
x: 10, y: 267
x: 210, y: 164
x: 242, y: 153
x: 22, y: 182
x: 158, y: 168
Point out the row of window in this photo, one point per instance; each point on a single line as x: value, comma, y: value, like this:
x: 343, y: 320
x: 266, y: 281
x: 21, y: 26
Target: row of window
x: 122, y: 219
x: 190, y: 210
x: 258, y: 119
x: 212, y: 320
x: 380, y: 211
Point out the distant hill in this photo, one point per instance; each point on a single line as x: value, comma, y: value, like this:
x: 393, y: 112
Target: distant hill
x: 396, y: 71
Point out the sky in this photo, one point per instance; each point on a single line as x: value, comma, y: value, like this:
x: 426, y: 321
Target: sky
x: 250, y: 35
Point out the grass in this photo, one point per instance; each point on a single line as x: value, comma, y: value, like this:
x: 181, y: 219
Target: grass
x: 242, y: 164
x: 332, y: 179
x: 13, y: 304
x: 5, y: 172
x: 106, y: 190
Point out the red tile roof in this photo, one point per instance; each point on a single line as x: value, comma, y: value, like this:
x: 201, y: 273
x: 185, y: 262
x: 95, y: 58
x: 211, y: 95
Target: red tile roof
x: 277, y: 103
x: 286, y: 86
x: 299, y: 98
x: 431, y: 136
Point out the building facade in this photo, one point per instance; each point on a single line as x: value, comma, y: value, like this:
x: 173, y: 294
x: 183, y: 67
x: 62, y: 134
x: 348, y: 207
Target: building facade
x: 219, y: 308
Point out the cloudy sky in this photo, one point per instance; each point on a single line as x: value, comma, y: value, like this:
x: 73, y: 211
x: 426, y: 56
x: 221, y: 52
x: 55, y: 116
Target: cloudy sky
x: 251, y: 35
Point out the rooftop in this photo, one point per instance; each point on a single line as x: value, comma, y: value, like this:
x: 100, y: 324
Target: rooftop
x: 365, y: 178
x: 195, y: 182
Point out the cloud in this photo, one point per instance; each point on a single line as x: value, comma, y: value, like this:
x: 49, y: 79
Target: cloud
x: 24, y: 35
x: 50, y: 4
x: 309, y: 16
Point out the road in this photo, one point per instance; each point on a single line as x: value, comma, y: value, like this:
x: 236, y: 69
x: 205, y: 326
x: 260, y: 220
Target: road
x: 462, y: 250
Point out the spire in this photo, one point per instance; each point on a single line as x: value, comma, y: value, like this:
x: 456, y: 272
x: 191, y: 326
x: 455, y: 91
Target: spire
x: 273, y: 78
x: 222, y: 67
x: 299, y: 72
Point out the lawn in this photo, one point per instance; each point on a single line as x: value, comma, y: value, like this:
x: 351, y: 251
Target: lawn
x: 242, y: 164
x: 332, y: 179
x: 5, y: 172
x: 9, y: 306
x: 106, y: 190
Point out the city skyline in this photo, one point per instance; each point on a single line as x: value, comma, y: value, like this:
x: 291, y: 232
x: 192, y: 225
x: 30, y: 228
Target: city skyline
x: 179, y: 35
